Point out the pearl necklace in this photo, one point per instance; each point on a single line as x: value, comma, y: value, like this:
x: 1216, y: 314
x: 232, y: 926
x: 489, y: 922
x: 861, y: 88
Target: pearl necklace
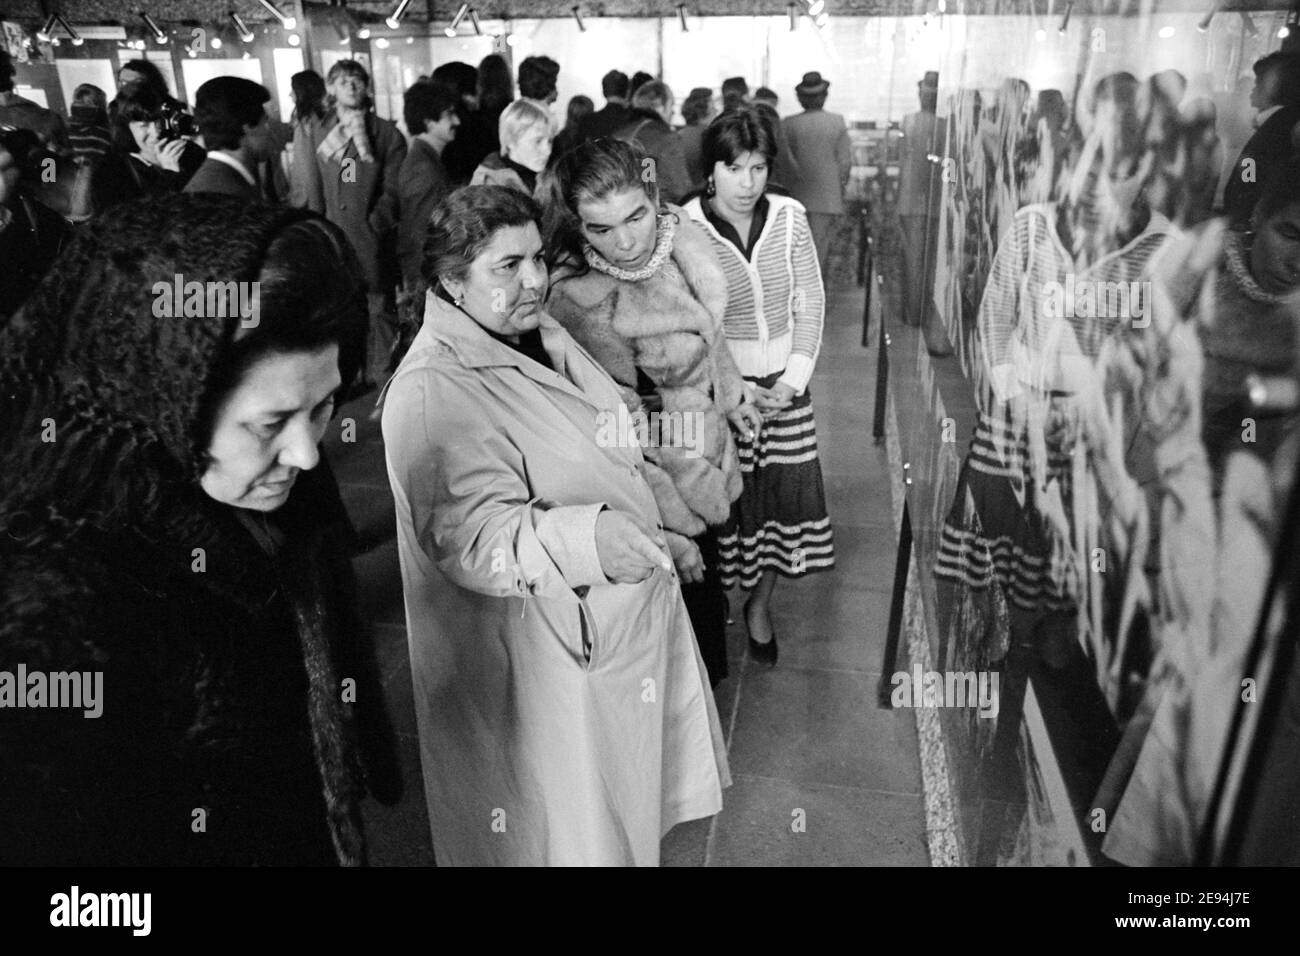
x: 1235, y: 257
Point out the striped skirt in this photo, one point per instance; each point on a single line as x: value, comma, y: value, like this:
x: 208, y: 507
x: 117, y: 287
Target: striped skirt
x: 779, y: 523
x: 995, y: 530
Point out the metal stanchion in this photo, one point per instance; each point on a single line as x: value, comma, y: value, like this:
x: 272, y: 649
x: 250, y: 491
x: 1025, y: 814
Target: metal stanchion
x: 882, y: 382
x: 902, y: 564
x: 866, y: 277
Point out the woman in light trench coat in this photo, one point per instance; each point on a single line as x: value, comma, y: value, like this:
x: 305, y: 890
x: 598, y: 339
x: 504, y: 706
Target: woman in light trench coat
x: 564, y: 712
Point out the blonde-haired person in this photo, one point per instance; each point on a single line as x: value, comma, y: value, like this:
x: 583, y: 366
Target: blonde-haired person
x: 526, y: 131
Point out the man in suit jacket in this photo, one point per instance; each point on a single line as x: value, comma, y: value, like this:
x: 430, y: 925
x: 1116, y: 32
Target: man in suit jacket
x: 614, y: 115
x: 648, y: 124
x: 1277, y: 98
x: 359, y: 161
x: 230, y: 113
x: 430, y: 112
x: 920, y: 195
x: 819, y: 145
x: 22, y: 113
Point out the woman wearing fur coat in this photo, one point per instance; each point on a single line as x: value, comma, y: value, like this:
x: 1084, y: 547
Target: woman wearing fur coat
x: 639, y: 287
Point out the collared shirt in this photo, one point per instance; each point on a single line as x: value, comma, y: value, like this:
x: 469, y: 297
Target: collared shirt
x: 222, y: 156
x: 1263, y: 116
x: 728, y: 231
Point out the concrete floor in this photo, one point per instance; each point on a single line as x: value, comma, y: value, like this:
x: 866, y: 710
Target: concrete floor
x: 806, y: 740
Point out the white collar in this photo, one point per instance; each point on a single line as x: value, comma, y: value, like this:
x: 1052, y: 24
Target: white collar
x: 222, y: 156
x: 1263, y: 116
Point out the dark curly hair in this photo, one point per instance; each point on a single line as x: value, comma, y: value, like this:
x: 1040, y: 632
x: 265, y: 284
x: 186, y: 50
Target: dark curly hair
x: 464, y: 223
x: 592, y: 170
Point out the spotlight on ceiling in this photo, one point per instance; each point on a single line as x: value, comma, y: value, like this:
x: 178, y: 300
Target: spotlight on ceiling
x: 157, y: 31
x: 455, y: 21
x: 241, y: 27
x: 577, y: 15
x: 286, y: 21
x: 67, y: 28
x: 681, y: 15
x: 395, y: 18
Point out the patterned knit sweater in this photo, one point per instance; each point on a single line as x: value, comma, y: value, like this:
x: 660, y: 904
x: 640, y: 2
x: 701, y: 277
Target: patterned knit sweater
x: 1042, y: 321
x: 775, y: 301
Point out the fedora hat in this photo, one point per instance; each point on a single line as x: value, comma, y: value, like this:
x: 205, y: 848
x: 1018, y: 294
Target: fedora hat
x: 813, y: 84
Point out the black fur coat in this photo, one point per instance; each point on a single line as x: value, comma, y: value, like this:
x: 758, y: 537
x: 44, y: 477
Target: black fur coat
x: 238, y: 691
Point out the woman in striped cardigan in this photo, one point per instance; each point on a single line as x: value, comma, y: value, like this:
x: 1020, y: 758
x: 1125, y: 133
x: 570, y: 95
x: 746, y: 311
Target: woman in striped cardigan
x: 773, y: 323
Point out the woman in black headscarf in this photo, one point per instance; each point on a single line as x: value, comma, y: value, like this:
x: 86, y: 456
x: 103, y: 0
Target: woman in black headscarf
x: 169, y: 532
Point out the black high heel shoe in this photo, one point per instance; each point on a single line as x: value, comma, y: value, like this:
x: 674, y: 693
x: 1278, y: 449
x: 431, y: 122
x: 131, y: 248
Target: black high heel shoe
x: 762, y: 653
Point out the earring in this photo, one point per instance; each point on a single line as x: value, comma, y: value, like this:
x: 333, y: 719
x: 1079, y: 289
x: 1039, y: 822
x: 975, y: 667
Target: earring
x: 708, y: 187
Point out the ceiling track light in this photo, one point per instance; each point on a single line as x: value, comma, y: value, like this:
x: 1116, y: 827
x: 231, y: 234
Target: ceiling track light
x: 793, y: 13
x: 816, y: 8
x: 478, y: 28
x: 1204, y: 25
x: 1065, y: 20
x: 681, y: 15
x: 46, y: 33
x: 286, y: 21
x: 1248, y: 24
x: 158, y: 35
x: 395, y: 18
x: 241, y: 27
x: 577, y: 15
x: 822, y: 19
x: 67, y: 28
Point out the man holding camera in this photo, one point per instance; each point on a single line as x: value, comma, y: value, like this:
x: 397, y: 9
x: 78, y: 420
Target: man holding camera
x: 230, y: 114
x: 151, y: 155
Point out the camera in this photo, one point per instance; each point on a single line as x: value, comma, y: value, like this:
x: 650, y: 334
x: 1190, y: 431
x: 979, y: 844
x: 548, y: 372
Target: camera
x: 175, y: 123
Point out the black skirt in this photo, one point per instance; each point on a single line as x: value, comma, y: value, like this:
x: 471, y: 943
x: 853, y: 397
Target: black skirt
x: 780, y: 521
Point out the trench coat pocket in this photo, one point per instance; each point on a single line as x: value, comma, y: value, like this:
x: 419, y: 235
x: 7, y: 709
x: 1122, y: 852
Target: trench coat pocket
x: 590, y: 634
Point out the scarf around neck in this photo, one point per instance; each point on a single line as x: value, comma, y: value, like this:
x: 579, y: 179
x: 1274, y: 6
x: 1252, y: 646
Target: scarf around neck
x: 666, y: 229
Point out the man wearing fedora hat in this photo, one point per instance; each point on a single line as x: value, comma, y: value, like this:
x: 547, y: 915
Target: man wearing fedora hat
x: 819, y: 145
x: 920, y: 191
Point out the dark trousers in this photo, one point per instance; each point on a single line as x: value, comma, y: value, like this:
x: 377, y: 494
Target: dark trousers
x: 706, y: 603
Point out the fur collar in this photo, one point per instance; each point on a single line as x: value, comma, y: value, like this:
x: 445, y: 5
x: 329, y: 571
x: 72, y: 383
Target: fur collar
x: 698, y: 308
